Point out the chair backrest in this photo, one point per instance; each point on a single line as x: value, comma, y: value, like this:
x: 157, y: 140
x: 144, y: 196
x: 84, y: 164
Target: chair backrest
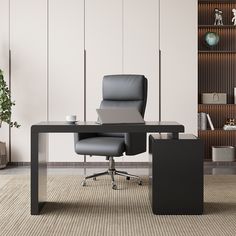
x: 125, y: 91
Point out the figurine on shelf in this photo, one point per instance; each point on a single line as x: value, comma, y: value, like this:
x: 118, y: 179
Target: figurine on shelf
x: 231, y: 121
x: 230, y: 124
x: 234, y: 18
x: 218, y: 17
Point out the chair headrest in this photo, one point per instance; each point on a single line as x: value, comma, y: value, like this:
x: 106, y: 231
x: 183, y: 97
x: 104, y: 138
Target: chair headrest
x: 124, y: 87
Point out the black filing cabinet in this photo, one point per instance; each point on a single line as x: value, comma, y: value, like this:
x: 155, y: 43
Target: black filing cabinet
x: 176, y: 174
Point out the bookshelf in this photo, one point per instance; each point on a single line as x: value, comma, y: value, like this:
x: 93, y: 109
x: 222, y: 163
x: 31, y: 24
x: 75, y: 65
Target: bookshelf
x: 217, y: 72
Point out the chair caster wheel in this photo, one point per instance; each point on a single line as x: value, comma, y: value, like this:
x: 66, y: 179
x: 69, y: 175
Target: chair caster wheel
x: 114, y: 186
x: 140, y: 182
x: 94, y: 178
x: 127, y: 178
x: 83, y: 183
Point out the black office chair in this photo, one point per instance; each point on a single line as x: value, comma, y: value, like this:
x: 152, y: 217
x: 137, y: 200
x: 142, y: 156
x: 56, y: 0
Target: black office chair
x: 118, y: 91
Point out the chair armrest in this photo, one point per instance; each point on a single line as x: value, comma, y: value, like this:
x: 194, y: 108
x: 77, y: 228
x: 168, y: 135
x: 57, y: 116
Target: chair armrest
x: 135, y: 143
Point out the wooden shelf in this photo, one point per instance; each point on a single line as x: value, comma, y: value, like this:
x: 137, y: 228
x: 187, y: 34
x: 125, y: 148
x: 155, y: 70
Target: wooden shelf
x: 216, y: 131
x: 208, y: 51
x: 217, y: 1
x: 217, y: 26
x: 216, y: 105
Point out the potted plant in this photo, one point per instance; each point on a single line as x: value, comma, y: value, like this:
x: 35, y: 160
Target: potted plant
x: 5, y: 115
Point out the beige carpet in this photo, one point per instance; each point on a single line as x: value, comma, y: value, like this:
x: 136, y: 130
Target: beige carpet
x: 99, y: 210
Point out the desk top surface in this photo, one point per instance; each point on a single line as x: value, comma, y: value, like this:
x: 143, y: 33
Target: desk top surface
x: 91, y: 126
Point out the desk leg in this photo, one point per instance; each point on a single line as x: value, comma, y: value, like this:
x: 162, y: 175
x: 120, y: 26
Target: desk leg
x: 38, y: 171
x: 175, y: 135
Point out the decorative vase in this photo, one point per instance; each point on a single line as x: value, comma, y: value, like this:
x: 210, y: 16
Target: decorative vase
x: 211, y: 39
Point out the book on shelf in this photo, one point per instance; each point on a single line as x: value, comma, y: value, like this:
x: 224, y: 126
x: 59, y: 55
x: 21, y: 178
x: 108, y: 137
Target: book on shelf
x: 203, y: 119
x: 210, y: 122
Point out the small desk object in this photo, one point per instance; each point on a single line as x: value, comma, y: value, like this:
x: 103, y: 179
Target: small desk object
x: 39, y: 147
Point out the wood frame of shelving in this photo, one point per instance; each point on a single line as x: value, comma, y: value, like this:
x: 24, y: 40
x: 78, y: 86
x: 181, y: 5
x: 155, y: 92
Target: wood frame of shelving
x: 216, y: 1
x: 217, y: 72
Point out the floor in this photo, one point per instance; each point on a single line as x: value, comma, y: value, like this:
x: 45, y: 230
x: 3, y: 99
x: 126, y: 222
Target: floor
x: 68, y: 171
x: 68, y: 217
x: 97, y: 210
x: 57, y: 171
x: 220, y: 169
x: 208, y: 170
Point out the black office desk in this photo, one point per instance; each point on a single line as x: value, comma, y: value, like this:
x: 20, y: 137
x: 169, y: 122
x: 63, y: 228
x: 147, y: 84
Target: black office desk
x: 39, y: 147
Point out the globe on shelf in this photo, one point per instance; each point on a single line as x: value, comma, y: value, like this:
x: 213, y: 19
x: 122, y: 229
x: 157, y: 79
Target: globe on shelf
x: 212, y: 39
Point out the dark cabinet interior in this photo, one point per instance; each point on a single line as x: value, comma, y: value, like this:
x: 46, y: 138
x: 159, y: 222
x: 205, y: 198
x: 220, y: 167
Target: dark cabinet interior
x: 217, y: 71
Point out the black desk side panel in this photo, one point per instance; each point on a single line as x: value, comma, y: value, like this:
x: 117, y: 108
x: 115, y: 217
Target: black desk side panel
x: 176, y: 175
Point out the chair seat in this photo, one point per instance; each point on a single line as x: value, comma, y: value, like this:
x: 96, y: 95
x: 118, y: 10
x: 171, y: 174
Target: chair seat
x: 101, y: 146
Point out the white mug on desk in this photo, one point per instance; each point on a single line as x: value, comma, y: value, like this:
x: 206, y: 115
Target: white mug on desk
x: 71, y: 118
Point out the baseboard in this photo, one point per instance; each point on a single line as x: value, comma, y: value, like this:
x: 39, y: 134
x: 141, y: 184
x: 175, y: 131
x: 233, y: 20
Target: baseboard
x: 87, y: 164
x: 219, y: 164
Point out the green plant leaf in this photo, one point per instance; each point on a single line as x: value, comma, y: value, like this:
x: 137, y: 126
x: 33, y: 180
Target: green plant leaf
x: 6, y: 103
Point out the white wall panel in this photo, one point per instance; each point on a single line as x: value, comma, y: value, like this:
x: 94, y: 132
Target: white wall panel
x: 29, y: 70
x: 104, y: 50
x: 120, y: 37
x: 179, y: 62
x: 4, y: 58
x: 141, y: 52
x: 66, y: 38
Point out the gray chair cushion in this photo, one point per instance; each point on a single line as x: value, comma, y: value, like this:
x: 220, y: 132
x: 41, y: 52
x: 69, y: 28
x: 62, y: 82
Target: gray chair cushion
x: 101, y: 146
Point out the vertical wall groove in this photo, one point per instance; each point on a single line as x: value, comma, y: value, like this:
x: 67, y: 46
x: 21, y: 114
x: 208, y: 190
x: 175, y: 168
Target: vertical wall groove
x: 122, y: 35
x: 85, y: 76
x: 159, y: 38
x: 48, y: 69
x: 85, y: 65
x: 216, y: 73
x: 206, y: 12
x: 9, y: 75
x: 216, y: 138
